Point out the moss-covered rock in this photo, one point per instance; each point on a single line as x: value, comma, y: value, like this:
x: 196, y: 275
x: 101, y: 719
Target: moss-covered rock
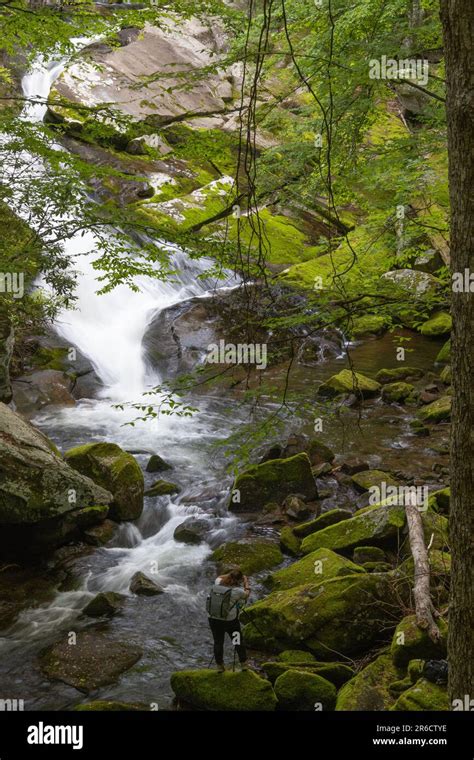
x: 336, y: 672
x: 272, y: 481
x: 439, y: 324
x: 110, y: 706
x: 105, y: 603
x: 410, y: 642
x: 377, y: 525
x: 397, y: 392
x: 398, y: 374
x: 250, y: 557
x: 114, y: 469
x: 368, y: 479
x: 157, y: 464
x: 142, y: 585
x: 415, y: 670
x: 296, y: 690
x: 162, y: 488
x: 368, y: 554
x: 445, y: 375
x: 331, y: 517
x: 369, y: 689
x: 316, y: 566
x: 345, y: 614
x: 423, y: 695
x: 100, y: 534
x: 439, y: 501
x: 369, y: 324
x: 299, y: 656
x: 89, y: 516
x: 349, y: 382
x: 377, y: 567
x: 437, y: 411
x: 209, y: 690
x: 444, y: 355
x: 289, y: 542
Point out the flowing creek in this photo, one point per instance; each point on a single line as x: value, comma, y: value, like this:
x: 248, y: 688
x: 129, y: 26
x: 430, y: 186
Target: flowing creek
x: 171, y: 628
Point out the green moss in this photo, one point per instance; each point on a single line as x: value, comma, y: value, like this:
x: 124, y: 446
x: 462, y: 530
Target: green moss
x: 376, y: 525
x: 439, y: 501
x: 162, y: 488
x: 368, y: 479
x: 349, y: 382
x: 289, y: 543
x: 209, y: 690
x: 91, y: 516
x: 251, y: 558
x: 369, y: 324
x: 317, y: 566
x: 109, y: 706
x: 397, y: 392
x: 439, y: 324
x: 415, y: 670
x: 437, y: 411
x: 369, y: 689
x: 368, y: 554
x: 336, y: 672
x: 410, y: 642
x: 446, y: 375
x: 397, y: 374
x: 273, y: 481
x: 423, y: 695
x: 444, y: 355
x: 296, y: 690
x: 51, y: 358
x: 331, y: 517
x: 298, y: 656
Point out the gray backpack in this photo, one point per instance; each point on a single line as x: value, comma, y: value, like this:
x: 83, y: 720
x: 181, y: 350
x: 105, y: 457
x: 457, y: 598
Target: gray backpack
x: 218, y: 602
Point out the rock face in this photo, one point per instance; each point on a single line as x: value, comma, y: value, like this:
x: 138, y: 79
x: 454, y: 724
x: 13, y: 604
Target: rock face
x: 40, y: 494
x: 112, y: 468
x: 95, y: 660
x: 349, y: 382
x: 208, y: 690
x: 273, y: 481
x: 296, y: 690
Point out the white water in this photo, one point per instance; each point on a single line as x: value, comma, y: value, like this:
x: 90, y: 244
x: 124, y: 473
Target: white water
x: 109, y: 329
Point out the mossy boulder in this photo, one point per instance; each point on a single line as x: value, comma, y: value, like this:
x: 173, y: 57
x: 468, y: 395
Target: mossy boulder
x: 444, y: 356
x: 336, y: 672
x: 423, y: 695
x: 377, y: 567
x: 157, y: 464
x: 377, y: 525
x: 368, y: 554
x: 95, y: 660
x: 331, y: 517
x: 273, y: 481
x: 111, y: 706
x: 142, y: 585
x: 296, y: 690
x: 90, y: 516
x: 289, y: 542
x: 162, y: 488
x: 346, y: 614
x: 298, y: 656
x: 316, y: 566
x: 437, y: 411
x: 368, y: 324
x: 370, y: 479
x: 106, y: 603
x: 349, y: 382
x: 398, y: 374
x: 209, y: 690
x: 411, y: 642
x: 114, y: 469
x: 369, y: 689
x: 318, y: 452
x: 250, y: 557
x: 397, y: 392
x: 415, y: 670
x: 439, y: 324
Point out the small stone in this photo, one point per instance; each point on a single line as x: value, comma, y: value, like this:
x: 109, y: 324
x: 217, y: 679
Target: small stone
x: 144, y: 586
x: 105, y: 603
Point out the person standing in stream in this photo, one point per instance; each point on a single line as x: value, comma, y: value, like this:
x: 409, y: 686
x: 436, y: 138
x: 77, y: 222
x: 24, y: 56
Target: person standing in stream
x: 224, y: 603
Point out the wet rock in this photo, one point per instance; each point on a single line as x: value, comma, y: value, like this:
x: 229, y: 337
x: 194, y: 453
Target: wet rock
x: 319, y: 565
x: 100, y: 534
x: 162, y: 488
x: 437, y: 411
x: 250, y: 557
x: 192, y: 531
x: 209, y: 690
x: 349, y: 382
x: 157, y: 464
x: 353, y: 465
x: 296, y: 690
x: 331, y: 517
x: 106, y: 603
x: 113, y: 468
x: 94, y: 661
x: 439, y: 324
x: 273, y: 481
x: 295, y: 508
x: 141, y: 585
x: 40, y: 389
x: 109, y: 706
x: 397, y: 392
x: 369, y: 689
x: 369, y: 479
x: 427, y: 397
x: 398, y: 373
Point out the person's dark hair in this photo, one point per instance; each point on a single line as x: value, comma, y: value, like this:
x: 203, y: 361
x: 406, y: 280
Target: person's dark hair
x: 233, y: 577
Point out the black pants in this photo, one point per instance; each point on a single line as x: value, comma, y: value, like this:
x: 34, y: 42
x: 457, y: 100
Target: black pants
x: 219, y: 629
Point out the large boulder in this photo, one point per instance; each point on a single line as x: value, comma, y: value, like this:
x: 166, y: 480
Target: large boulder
x: 370, y: 479
x: 114, y: 469
x: 423, y: 695
x: 411, y: 642
x: 192, y: 531
x: 336, y: 672
x: 331, y: 517
x: 369, y: 689
x: 397, y: 392
x: 296, y: 690
x: 209, y: 690
x: 439, y: 324
x: 346, y: 614
x: 250, y: 557
x: 317, y: 566
x: 106, y: 603
x: 142, y: 585
x: 437, y: 411
x: 398, y: 373
x: 40, y: 494
x: 347, y: 381
x: 272, y: 481
x: 377, y: 525
x: 412, y: 281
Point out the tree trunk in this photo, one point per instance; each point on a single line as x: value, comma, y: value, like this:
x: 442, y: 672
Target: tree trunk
x: 458, y: 27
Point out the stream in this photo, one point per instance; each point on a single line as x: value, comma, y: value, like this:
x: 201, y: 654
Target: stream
x: 171, y: 628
